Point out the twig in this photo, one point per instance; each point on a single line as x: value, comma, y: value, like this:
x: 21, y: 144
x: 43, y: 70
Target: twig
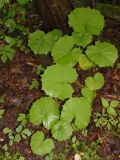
x: 109, y: 96
x: 31, y: 64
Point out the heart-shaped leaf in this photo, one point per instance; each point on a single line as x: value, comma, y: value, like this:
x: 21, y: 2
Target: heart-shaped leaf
x: 78, y: 109
x: 44, y: 110
x: 96, y: 82
x: 61, y: 130
x: 102, y: 54
x: 86, y: 20
x: 42, y: 43
x: 40, y: 146
x: 59, y: 78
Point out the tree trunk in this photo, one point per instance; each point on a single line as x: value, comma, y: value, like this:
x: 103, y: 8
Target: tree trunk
x: 53, y: 13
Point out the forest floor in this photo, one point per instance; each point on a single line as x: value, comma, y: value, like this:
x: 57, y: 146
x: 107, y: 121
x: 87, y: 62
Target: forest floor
x: 15, y: 79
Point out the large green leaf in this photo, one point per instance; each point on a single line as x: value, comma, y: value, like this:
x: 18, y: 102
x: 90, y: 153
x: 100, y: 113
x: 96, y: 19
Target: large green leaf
x: 78, y: 109
x: 62, y: 47
x: 56, y: 81
x: 82, y: 39
x: 40, y: 146
x: 61, y: 130
x: 86, y: 20
x: 63, y: 52
x: 44, y: 110
x: 102, y: 54
x: 70, y: 59
x: 42, y: 43
x: 96, y: 82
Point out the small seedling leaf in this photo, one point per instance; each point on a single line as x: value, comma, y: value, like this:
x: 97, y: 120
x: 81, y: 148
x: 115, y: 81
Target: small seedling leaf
x: 114, y: 103
x: 105, y: 103
x: 39, y: 145
x: 96, y: 82
x: 111, y: 111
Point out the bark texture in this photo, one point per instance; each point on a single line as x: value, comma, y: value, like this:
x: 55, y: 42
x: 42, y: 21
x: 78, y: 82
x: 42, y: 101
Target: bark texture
x: 53, y: 13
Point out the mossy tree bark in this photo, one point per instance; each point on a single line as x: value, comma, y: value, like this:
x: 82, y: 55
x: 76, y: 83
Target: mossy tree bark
x: 53, y: 13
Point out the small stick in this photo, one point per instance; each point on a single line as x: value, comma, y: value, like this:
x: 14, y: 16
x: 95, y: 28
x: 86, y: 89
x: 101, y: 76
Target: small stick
x: 31, y: 64
x: 109, y: 96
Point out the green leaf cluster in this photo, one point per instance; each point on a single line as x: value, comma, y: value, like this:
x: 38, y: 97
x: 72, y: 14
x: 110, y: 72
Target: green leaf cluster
x: 20, y: 132
x: 108, y: 117
x: 75, y: 111
x: 10, y: 156
x: 67, y: 51
x: 3, y: 2
x: 21, y: 2
x: 110, y: 107
x: 6, y: 52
